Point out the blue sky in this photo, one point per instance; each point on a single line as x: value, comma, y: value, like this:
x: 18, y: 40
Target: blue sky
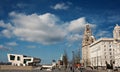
x: 45, y: 28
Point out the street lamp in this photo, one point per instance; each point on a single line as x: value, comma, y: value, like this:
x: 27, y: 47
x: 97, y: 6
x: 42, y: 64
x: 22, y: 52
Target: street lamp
x: 73, y: 60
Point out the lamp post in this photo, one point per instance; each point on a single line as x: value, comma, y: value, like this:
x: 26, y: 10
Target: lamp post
x: 73, y: 60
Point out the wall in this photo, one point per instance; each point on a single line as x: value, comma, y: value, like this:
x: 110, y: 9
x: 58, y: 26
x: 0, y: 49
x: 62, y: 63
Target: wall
x: 9, y: 67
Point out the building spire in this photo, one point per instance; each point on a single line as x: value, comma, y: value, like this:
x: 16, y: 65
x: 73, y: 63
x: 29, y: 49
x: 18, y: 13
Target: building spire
x: 87, y: 37
x: 116, y: 32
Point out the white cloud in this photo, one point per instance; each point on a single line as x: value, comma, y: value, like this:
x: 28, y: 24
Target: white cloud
x: 8, y: 28
x: 37, y: 28
x: 78, y: 25
x: 60, y: 6
x: 4, y: 25
x: 12, y: 44
x: 45, y: 29
x: 75, y: 37
x: 76, y: 28
x: 6, y: 33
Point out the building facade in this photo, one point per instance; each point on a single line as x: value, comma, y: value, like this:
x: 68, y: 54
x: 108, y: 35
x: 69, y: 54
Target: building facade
x: 102, y: 51
x: 116, y: 35
x: 98, y: 52
x: 117, y: 54
x: 87, y: 40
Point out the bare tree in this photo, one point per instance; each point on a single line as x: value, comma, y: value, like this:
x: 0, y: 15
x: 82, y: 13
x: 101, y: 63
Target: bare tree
x: 65, y: 59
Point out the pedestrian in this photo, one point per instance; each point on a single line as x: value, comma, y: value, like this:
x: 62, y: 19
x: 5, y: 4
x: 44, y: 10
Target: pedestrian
x: 108, y: 67
x: 70, y: 68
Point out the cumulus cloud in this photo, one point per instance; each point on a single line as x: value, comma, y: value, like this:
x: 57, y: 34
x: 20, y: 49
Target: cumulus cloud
x: 38, y: 28
x: 45, y: 28
x: 6, y: 33
x: 8, y: 28
x: 60, y: 6
x: 78, y: 25
x: 75, y: 37
x: 76, y: 28
x: 4, y: 25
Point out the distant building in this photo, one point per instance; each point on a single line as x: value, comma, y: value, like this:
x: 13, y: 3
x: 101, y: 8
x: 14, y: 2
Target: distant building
x: 60, y: 62
x: 96, y: 53
x: 22, y: 60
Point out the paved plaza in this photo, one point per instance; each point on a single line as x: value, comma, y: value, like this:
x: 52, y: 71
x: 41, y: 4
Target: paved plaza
x: 56, y: 70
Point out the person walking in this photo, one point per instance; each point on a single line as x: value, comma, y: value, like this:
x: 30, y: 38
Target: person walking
x: 108, y: 67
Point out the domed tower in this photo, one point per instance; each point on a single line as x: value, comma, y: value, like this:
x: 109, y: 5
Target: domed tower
x: 88, y: 38
x: 116, y: 32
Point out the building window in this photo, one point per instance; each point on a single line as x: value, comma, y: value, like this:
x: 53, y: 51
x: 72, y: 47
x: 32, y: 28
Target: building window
x: 110, y: 56
x: 12, y: 57
x: 25, y: 60
x: 104, y: 45
x: 105, y: 57
x: 18, y: 58
x: 109, y: 45
x: 24, y: 56
x: 109, y: 49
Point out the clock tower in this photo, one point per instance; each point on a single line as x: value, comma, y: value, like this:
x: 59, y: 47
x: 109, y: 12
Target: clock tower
x: 87, y: 40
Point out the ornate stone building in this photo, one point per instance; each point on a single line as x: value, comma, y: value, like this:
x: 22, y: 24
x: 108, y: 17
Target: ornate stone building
x: 87, y: 40
x: 106, y: 50
x: 116, y: 36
